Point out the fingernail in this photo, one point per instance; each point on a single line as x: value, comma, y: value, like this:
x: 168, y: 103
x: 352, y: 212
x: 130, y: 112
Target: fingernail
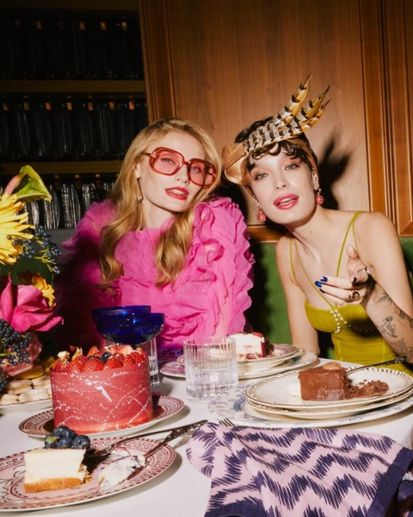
x: 318, y: 283
x: 323, y: 279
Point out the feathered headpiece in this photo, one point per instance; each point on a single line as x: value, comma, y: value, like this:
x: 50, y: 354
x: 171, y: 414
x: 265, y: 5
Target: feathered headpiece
x: 290, y: 122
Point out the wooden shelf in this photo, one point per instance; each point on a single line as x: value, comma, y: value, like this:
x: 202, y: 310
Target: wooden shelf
x: 75, y: 167
x: 72, y: 86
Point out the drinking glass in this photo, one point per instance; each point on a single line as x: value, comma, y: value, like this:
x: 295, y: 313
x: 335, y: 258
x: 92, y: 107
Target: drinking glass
x: 210, y: 367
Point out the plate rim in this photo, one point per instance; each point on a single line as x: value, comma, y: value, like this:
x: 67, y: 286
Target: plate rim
x: 250, y: 420
x: 113, y: 432
x: 341, y: 411
x: 317, y: 404
x: 171, y: 456
x: 245, y: 376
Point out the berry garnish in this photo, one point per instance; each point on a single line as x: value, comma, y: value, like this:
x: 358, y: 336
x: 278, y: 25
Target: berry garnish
x: 138, y: 357
x: 105, y: 356
x: 64, y: 432
x: 81, y: 442
x: 93, y: 364
x: 50, y: 441
x: 114, y: 362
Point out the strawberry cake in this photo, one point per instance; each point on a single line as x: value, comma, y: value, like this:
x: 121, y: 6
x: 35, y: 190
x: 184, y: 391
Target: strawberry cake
x: 98, y: 393
x: 249, y: 345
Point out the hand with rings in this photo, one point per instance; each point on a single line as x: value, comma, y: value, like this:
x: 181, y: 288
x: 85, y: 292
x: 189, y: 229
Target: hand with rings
x: 353, y: 296
x: 353, y: 290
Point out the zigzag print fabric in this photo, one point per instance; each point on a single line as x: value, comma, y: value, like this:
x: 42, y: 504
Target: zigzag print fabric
x: 299, y: 472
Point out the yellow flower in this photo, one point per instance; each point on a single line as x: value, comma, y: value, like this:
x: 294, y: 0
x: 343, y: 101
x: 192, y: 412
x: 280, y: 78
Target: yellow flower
x: 45, y: 288
x: 13, y: 225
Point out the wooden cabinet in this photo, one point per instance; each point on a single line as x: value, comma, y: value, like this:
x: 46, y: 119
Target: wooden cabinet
x: 226, y: 64
x: 73, y: 88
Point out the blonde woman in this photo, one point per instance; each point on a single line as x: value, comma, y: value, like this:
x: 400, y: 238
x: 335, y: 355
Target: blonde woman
x: 163, y: 240
x: 343, y: 272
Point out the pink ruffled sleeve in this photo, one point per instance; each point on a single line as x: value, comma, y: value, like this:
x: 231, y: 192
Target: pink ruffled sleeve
x: 78, y: 288
x: 221, y: 228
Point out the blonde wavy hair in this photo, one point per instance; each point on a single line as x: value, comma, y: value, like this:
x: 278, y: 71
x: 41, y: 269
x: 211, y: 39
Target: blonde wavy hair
x: 175, y: 242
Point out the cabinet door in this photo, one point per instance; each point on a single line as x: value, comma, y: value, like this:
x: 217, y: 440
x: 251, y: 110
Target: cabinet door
x: 226, y: 64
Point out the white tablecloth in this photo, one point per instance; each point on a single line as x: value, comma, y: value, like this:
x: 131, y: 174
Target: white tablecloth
x: 181, y: 491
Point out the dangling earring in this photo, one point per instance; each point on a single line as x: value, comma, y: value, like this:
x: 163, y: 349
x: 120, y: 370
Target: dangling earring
x: 319, y: 198
x: 139, y: 195
x: 261, y: 217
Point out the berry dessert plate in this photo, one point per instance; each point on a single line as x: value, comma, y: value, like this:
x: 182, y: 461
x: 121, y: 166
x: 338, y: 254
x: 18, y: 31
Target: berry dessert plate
x: 41, y: 424
x: 15, y: 498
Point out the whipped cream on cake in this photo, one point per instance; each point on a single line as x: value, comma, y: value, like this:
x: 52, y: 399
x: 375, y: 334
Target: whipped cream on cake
x: 249, y: 345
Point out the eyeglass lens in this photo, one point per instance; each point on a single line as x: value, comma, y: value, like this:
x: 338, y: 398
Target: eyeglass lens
x: 167, y: 161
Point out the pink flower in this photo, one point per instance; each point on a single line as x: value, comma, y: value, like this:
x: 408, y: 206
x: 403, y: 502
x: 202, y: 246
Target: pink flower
x: 25, y: 308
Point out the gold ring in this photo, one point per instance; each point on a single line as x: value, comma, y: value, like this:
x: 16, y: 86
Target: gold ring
x: 353, y: 296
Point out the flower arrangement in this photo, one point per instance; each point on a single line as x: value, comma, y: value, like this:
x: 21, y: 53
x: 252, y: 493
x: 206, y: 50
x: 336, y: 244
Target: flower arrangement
x: 28, y: 263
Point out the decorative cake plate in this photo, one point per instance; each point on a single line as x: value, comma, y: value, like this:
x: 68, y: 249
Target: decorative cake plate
x: 15, y: 498
x: 176, y: 368
x: 284, y: 391
x: 41, y: 424
x: 236, y: 407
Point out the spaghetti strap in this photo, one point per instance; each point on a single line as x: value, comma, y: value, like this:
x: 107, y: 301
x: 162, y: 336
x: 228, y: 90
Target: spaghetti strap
x: 292, y: 261
x: 350, y: 226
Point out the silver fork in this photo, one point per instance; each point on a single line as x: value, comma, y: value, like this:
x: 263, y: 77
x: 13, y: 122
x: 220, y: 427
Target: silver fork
x: 100, y: 454
x: 397, y: 360
x: 226, y: 422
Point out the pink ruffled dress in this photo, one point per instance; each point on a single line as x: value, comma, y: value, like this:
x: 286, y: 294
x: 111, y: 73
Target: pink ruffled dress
x: 208, y: 298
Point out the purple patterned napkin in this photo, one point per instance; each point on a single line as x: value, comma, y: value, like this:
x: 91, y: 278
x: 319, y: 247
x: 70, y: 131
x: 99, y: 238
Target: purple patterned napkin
x: 259, y: 472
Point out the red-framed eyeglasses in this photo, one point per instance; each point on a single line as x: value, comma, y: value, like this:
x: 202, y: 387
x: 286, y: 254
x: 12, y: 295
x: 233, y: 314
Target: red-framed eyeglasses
x: 168, y: 162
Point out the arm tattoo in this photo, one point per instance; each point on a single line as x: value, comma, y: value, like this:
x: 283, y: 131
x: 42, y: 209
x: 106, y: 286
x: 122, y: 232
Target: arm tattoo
x: 388, y: 328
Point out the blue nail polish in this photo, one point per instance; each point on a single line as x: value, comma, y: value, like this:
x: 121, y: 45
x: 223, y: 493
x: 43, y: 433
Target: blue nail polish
x: 317, y: 283
x: 323, y: 279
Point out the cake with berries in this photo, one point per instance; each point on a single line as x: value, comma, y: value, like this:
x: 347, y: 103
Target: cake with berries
x: 98, y: 393
x: 249, y: 345
x: 59, y: 465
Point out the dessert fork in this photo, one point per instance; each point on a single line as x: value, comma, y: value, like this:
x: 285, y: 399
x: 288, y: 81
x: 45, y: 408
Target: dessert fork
x: 397, y: 360
x: 100, y: 454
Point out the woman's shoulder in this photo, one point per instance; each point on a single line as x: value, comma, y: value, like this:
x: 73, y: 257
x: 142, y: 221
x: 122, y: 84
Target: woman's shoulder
x: 221, y: 208
x: 100, y: 213
x: 369, y: 222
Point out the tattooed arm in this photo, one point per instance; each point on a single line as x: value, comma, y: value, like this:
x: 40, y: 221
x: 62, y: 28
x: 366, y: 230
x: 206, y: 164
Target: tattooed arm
x: 395, y: 325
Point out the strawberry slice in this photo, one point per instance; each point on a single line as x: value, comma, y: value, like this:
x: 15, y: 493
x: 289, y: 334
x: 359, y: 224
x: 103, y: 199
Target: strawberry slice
x: 138, y: 357
x: 93, y: 364
x: 113, y: 362
x: 60, y: 366
x: 129, y: 360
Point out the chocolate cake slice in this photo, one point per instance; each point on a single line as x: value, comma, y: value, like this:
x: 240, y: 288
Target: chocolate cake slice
x: 327, y: 382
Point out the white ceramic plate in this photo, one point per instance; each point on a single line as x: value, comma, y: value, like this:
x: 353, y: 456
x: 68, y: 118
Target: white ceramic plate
x: 41, y: 424
x: 176, y: 369
x: 35, y: 405
x: 15, y: 498
x: 235, y: 407
x: 284, y: 391
x: 326, y: 414
x: 280, y: 353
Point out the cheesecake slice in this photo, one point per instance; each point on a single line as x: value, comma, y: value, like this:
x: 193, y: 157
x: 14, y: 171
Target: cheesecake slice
x: 54, y: 469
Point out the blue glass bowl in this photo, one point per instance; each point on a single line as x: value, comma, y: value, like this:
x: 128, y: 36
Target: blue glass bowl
x: 132, y: 325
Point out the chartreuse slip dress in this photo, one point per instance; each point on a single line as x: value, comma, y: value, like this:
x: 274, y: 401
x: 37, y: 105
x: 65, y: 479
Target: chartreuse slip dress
x: 355, y: 337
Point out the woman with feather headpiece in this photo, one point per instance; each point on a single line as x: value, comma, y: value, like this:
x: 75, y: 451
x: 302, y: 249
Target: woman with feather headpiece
x: 334, y: 264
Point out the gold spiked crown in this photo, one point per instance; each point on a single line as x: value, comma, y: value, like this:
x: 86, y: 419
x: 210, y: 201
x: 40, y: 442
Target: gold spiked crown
x: 290, y: 122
